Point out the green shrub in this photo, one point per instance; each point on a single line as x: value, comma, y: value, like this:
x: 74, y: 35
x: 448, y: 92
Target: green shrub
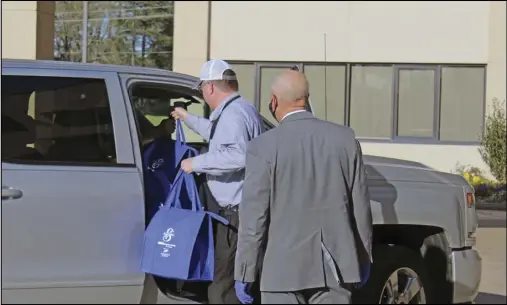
x: 492, y: 148
x: 474, y: 175
x: 484, y: 187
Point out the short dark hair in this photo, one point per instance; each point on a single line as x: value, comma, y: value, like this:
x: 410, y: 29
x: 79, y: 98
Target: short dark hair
x: 230, y: 81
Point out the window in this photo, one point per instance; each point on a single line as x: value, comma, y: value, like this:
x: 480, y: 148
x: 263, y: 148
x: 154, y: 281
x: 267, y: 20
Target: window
x: 462, y: 103
x: 246, y: 79
x: 327, y: 91
x: 152, y: 104
x: 371, y: 101
x: 416, y: 103
x: 387, y: 102
x: 267, y: 76
x: 56, y: 119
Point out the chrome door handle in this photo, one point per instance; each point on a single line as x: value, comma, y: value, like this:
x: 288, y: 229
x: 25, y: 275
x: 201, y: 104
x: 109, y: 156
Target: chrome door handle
x: 10, y: 193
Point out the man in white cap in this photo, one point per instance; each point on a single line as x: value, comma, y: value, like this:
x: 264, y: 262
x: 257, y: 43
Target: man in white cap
x: 233, y: 123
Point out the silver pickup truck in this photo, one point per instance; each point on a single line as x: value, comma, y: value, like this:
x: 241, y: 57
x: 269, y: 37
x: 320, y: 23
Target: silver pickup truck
x: 73, y: 199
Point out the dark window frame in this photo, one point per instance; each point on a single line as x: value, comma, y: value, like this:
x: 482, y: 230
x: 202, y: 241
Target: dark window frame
x: 257, y: 83
x: 346, y: 91
x: 436, y: 102
x: 437, y: 67
x: 393, y: 109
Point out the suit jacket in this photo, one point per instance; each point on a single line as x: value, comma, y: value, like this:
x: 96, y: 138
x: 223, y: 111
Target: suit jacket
x: 304, y: 194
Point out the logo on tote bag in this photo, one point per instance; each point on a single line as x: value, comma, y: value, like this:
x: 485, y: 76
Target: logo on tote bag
x: 168, y: 235
x: 156, y: 164
x: 166, y: 238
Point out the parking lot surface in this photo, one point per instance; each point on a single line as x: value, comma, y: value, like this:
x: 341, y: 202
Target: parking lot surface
x: 491, y: 219
x: 491, y: 244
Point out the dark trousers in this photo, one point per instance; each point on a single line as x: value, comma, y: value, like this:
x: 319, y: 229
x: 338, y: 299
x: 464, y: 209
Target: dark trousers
x: 221, y: 291
x: 334, y: 295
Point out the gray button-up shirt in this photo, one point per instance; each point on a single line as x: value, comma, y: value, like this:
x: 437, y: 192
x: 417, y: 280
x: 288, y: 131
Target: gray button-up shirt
x: 224, y: 163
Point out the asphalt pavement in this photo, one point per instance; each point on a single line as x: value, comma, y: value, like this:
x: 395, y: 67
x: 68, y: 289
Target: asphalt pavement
x: 491, y: 246
x: 491, y: 219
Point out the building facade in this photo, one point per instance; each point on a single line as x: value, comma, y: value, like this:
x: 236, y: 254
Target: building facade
x: 413, y: 79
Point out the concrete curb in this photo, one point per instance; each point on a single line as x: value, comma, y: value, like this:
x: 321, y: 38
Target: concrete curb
x: 501, y: 206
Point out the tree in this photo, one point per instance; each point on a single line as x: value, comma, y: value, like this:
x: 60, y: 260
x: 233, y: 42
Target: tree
x: 67, y: 41
x: 119, y: 32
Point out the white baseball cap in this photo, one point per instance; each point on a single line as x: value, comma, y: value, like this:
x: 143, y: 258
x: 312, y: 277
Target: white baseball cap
x: 215, y: 70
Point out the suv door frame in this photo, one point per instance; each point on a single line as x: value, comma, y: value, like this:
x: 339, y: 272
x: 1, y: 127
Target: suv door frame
x: 131, y: 282
x: 126, y: 81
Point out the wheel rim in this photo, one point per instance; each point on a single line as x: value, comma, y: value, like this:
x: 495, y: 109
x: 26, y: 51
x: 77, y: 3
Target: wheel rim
x: 403, y: 287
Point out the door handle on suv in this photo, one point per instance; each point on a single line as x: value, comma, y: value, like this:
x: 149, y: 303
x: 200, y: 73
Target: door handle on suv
x: 10, y: 193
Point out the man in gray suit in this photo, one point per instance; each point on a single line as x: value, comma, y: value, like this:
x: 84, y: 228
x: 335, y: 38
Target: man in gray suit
x: 305, y: 201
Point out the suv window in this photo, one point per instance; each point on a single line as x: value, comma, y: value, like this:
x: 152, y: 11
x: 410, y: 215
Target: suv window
x: 152, y: 103
x: 56, y: 119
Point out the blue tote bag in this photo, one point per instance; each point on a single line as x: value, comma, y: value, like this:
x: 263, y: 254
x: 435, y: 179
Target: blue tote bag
x: 159, y: 173
x: 178, y: 242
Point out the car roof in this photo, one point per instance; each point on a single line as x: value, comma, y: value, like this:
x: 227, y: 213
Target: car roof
x: 67, y: 65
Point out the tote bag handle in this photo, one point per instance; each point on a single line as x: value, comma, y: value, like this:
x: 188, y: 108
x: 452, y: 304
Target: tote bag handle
x: 181, y: 147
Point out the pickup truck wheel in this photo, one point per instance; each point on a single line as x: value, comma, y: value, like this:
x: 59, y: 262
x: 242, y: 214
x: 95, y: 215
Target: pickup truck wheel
x: 398, y: 276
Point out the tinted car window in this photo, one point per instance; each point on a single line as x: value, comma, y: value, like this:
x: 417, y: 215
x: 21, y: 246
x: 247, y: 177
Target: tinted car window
x: 56, y: 119
x: 153, y: 102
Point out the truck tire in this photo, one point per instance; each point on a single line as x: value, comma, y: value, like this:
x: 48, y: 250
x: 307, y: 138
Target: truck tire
x: 391, y: 265
x: 435, y: 252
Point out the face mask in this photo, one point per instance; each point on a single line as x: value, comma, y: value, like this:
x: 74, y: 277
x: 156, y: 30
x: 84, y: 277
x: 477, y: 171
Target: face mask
x: 272, y: 111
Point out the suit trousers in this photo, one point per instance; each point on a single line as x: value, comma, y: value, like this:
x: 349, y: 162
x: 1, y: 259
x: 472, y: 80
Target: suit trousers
x: 332, y: 293
x: 325, y: 295
x: 335, y: 295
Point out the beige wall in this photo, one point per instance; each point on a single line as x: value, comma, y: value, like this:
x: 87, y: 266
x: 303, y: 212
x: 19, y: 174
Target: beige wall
x: 445, y: 157
x: 357, y: 31
x: 190, y: 36
x: 441, y: 157
x: 496, y: 52
x: 27, y: 29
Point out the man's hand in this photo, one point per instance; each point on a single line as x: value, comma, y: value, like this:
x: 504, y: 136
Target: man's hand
x: 186, y: 165
x: 179, y: 113
x: 243, y: 292
x: 165, y: 128
x: 365, y: 275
